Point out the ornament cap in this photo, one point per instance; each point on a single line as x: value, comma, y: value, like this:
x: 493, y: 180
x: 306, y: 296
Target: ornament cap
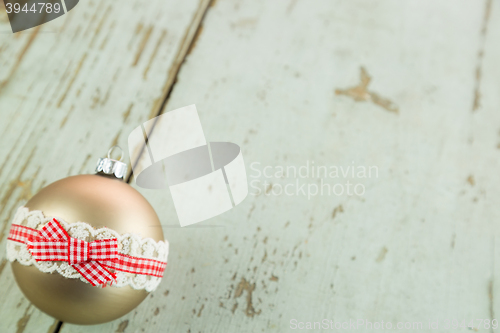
x: 109, y: 166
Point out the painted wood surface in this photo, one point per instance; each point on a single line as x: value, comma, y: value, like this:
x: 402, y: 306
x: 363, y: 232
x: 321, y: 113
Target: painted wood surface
x: 408, y: 87
x: 69, y: 90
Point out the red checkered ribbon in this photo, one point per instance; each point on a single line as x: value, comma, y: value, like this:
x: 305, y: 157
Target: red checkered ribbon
x: 52, y: 243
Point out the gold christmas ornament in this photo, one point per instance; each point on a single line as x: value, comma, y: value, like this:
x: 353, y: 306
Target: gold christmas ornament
x: 100, y: 201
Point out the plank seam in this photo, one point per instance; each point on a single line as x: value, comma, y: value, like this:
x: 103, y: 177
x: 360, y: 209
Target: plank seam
x: 187, y: 42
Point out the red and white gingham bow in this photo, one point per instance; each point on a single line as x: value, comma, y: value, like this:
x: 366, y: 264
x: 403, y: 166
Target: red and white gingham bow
x: 52, y: 243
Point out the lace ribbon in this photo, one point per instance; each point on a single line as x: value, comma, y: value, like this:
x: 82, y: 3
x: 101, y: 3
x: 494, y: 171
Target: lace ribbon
x: 130, y: 246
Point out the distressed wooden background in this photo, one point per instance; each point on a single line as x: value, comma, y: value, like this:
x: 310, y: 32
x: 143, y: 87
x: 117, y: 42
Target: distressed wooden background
x: 411, y: 87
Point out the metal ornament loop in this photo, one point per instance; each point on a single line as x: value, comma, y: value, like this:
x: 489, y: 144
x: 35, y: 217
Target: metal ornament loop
x: 113, y: 148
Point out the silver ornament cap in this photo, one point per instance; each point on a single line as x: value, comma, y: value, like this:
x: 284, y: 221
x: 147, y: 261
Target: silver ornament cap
x: 109, y: 166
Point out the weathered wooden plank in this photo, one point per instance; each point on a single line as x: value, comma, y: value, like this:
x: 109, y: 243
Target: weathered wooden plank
x: 420, y: 243
x: 70, y: 89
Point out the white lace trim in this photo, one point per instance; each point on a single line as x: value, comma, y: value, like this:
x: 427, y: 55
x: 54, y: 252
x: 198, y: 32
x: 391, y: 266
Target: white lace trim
x: 129, y: 244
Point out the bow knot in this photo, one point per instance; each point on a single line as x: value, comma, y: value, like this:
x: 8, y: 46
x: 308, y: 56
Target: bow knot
x: 52, y: 243
x: 81, y: 251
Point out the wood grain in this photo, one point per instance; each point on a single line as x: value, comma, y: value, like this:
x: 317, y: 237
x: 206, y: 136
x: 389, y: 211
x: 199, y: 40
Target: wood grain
x: 419, y: 245
x: 69, y: 90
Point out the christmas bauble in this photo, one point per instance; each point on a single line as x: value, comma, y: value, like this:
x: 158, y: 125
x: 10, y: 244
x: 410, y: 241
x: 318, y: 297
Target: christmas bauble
x: 100, y: 201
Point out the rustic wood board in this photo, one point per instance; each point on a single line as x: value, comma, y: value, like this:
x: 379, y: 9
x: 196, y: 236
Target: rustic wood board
x: 71, y: 88
x: 275, y: 77
x: 283, y: 79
